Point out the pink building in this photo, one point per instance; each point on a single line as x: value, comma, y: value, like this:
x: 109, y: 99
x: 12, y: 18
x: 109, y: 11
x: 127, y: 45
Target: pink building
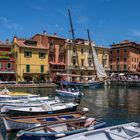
x: 7, y: 62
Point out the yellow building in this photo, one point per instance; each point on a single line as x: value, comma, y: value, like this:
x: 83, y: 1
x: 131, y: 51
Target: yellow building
x: 84, y: 65
x: 103, y: 55
x: 31, y: 59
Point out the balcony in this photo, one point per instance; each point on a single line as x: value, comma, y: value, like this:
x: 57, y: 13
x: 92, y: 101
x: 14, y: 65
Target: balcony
x: 7, y: 71
x: 81, y: 67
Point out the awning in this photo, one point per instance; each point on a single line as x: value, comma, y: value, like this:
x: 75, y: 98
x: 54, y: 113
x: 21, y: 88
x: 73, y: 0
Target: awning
x: 53, y: 63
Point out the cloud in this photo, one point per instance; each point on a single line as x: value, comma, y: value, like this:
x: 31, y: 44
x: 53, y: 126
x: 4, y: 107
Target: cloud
x: 9, y: 25
x: 135, y: 32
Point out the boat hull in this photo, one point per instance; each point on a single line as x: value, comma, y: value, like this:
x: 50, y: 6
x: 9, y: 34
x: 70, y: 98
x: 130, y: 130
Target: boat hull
x: 67, y: 94
x: 12, y: 112
x: 15, y: 126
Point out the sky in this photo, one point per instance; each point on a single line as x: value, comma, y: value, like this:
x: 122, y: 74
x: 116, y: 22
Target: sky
x: 107, y: 20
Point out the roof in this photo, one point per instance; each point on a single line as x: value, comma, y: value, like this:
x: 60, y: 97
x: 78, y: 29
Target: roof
x: 23, y: 43
x: 125, y: 43
x: 51, y: 36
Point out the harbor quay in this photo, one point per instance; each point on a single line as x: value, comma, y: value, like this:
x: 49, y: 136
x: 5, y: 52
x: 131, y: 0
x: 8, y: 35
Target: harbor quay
x: 41, y: 85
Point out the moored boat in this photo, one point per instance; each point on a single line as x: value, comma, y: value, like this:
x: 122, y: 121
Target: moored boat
x: 5, y: 94
x: 35, y: 102
x: 44, y: 108
x: 129, y: 131
x: 60, y: 129
x: 23, y: 122
x: 68, y: 90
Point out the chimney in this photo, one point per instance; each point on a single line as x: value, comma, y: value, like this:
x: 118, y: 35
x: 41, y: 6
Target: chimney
x: 125, y: 41
x: 44, y: 33
x: 15, y: 39
x: 55, y: 34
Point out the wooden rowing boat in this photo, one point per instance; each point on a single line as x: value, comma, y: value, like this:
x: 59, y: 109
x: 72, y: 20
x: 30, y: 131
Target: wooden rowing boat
x: 22, y: 122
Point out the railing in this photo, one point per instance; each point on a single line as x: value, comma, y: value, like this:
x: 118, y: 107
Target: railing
x: 81, y: 67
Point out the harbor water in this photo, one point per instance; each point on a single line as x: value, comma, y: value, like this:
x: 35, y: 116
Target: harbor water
x: 112, y: 104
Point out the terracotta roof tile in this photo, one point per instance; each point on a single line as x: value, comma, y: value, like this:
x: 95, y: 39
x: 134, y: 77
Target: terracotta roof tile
x: 21, y: 43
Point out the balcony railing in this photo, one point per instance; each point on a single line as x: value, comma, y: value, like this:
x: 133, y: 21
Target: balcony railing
x: 81, y: 67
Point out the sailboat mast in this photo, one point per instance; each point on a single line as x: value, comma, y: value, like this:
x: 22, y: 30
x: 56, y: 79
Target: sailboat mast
x: 73, y: 40
x: 91, y: 49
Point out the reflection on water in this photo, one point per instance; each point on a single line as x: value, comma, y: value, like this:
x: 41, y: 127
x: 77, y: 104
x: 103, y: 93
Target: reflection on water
x: 115, y: 105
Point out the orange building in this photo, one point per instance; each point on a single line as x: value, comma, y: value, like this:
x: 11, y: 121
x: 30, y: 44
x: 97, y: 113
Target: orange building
x: 56, y: 54
x: 125, y: 57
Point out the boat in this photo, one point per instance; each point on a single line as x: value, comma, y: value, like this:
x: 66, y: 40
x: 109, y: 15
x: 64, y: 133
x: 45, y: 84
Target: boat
x: 5, y: 94
x: 68, y: 90
x: 35, y: 102
x: 96, y: 80
x: 43, y: 108
x: 129, y: 131
x: 60, y: 129
x: 24, y: 122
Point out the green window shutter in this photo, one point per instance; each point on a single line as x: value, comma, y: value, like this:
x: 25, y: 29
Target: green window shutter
x: 42, y: 68
x: 27, y: 68
x: 0, y: 65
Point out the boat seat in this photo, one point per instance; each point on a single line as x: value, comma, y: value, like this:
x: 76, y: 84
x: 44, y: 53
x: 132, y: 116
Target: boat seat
x: 46, y: 129
x: 73, y: 125
x: 59, y: 127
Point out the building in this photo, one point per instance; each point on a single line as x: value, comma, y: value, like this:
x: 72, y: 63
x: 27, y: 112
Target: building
x: 7, y: 62
x: 79, y: 59
x: 103, y: 55
x: 125, y: 57
x: 31, y: 58
x: 56, y: 52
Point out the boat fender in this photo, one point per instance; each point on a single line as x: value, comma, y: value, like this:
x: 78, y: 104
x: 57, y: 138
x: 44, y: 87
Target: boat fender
x: 89, y: 122
x: 60, y: 135
x: 85, y: 109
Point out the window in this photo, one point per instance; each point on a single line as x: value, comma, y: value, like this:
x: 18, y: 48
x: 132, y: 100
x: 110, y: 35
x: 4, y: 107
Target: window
x: 74, y: 50
x: 74, y: 62
x: 27, y: 68
x: 89, y: 62
x: 82, y: 62
x: 125, y: 67
x: 111, y: 67
x: 125, y: 59
x: 118, y: 51
x: 82, y: 51
x: 118, y: 59
x: 111, y: 52
x: 9, y: 66
x: 27, y: 54
x: 89, y: 52
x: 125, y: 50
x: 118, y: 67
x: 42, y: 55
x: 42, y: 68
